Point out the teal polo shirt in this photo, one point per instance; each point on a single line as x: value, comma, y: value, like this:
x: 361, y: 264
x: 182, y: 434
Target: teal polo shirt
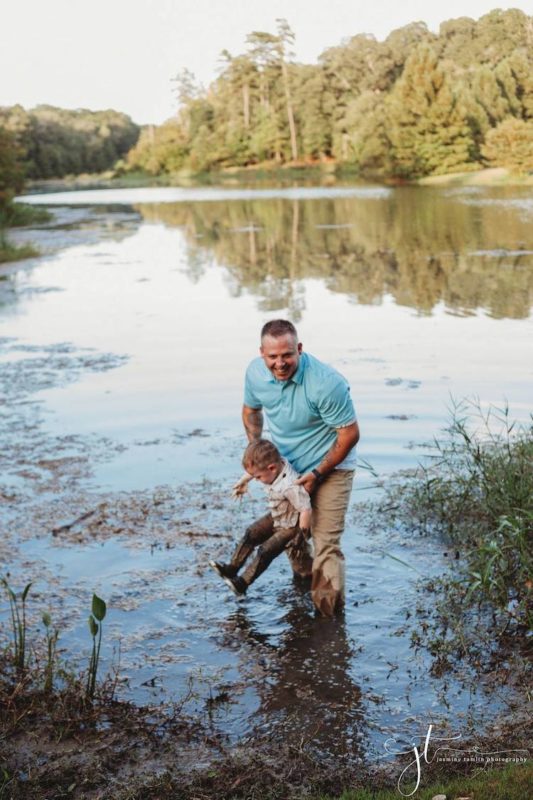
x: 304, y: 411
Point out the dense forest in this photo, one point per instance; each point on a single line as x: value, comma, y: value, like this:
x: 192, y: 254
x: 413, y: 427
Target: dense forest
x: 415, y: 104
x: 53, y: 142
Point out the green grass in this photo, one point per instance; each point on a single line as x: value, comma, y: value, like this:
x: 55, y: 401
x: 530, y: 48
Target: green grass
x: 511, y: 783
x: 20, y: 215
x: 476, y: 490
x: 10, y: 252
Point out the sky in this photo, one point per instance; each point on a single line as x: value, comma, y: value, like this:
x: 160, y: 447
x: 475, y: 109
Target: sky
x: 123, y: 54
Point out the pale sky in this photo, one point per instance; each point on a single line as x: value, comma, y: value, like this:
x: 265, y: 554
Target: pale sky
x: 122, y: 54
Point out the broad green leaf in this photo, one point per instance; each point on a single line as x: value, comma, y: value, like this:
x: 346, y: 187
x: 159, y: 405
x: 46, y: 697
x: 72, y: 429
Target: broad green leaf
x: 98, y: 608
x: 93, y: 625
x: 47, y: 619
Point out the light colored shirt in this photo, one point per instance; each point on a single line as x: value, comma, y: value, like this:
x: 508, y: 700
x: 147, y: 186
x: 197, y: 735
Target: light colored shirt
x: 285, y: 498
x: 304, y: 412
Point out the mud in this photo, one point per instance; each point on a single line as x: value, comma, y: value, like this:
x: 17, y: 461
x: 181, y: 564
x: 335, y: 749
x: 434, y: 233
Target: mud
x: 114, y: 751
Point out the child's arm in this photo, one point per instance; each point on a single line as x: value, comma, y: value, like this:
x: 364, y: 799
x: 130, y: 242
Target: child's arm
x: 304, y: 522
x: 241, y: 487
x: 298, y: 544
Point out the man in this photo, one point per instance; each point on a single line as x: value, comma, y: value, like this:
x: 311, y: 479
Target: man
x: 313, y: 424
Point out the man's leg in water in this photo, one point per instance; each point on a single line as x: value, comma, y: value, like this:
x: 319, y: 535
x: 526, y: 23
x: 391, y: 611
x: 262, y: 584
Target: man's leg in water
x: 330, y: 502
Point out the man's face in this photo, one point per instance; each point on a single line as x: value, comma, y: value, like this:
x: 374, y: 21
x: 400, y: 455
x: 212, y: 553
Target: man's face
x: 281, y: 355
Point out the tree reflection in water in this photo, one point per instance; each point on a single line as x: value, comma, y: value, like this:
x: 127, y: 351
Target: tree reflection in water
x: 467, y: 249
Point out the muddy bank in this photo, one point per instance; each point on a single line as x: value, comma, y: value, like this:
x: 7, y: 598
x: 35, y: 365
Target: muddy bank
x: 59, y: 747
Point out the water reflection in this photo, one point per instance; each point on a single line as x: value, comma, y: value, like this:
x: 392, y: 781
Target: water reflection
x: 301, y: 674
x: 420, y: 245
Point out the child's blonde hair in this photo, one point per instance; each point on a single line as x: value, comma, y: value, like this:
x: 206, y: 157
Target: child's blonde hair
x: 260, y: 454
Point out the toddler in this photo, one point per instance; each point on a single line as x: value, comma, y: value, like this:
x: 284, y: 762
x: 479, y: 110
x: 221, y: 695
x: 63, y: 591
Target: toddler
x: 286, y: 527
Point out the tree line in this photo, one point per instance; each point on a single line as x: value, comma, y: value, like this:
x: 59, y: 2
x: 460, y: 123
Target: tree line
x: 51, y: 142
x: 415, y: 104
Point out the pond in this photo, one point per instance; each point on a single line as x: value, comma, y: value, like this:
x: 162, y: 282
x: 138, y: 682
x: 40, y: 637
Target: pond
x: 122, y: 356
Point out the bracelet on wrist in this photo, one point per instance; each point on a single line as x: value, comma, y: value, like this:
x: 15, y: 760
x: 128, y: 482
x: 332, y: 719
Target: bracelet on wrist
x: 318, y: 475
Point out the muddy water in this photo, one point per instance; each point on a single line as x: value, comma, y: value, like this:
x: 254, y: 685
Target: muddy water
x: 122, y: 356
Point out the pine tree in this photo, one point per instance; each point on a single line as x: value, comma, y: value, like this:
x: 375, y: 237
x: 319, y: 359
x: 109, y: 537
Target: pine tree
x: 510, y: 145
x: 429, y: 131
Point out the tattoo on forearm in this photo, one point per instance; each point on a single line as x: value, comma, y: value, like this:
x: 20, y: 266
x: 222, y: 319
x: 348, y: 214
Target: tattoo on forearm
x: 331, y: 459
x: 253, y: 424
x: 337, y: 453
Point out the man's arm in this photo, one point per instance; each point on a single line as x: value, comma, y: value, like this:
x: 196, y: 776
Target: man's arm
x: 252, y: 419
x: 346, y: 439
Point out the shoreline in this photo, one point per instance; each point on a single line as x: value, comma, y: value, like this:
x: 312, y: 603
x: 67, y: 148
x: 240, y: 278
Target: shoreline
x: 326, y: 174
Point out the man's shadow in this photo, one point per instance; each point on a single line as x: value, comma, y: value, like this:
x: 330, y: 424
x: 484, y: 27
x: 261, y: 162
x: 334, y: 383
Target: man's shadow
x: 300, y: 668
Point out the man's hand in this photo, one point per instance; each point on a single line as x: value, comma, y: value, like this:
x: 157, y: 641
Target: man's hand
x: 241, y: 487
x: 347, y: 438
x: 308, y: 481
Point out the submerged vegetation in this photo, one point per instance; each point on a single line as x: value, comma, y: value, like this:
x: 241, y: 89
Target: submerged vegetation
x: 416, y: 104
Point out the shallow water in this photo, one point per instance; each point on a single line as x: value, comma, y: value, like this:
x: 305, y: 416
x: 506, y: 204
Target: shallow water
x: 123, y: 353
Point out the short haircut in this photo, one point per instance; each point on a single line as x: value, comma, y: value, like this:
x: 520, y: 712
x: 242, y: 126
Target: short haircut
x: 260, y: 454
x: 277, y: 328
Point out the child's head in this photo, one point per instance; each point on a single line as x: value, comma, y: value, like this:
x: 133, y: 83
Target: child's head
x: 262, y: 461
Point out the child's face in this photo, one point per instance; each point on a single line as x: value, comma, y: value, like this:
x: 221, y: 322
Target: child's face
x: 265, y: 474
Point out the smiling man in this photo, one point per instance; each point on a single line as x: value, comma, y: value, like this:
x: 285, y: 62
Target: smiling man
x: 312, y: 422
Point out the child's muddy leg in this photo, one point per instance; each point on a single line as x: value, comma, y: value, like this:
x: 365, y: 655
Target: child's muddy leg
x: 267, y: 552
x: 255, y: 534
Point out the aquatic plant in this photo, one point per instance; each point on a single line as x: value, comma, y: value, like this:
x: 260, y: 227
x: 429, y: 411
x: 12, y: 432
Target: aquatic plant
x: 17, y: 605
x: 51, y: 645
x: 476, y: 488
x: 11, y: 252
x: 98, y: 612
